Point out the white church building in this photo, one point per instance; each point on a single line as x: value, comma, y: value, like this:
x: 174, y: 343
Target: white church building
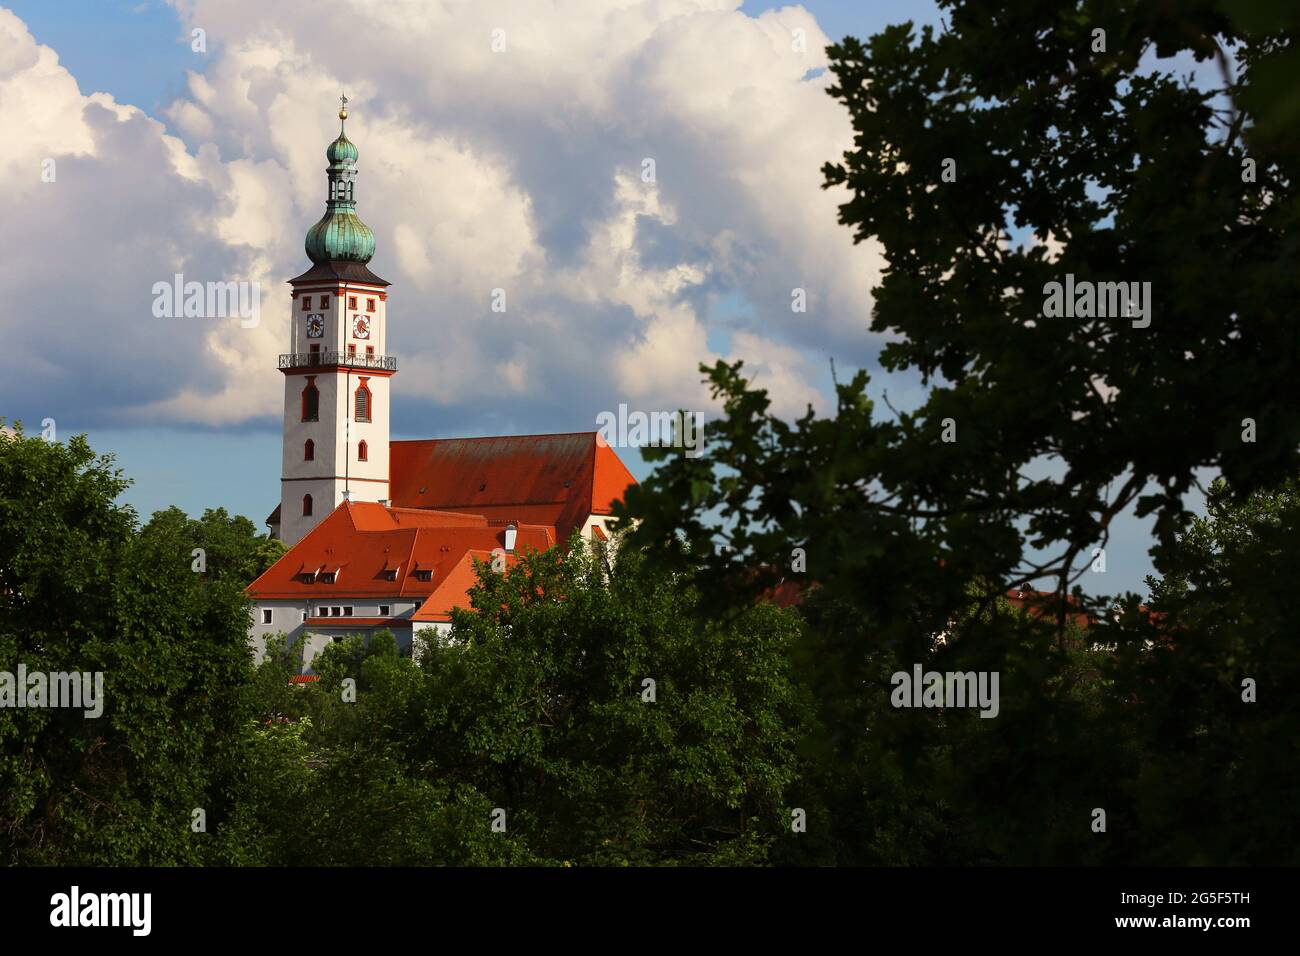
x: 383, y: 534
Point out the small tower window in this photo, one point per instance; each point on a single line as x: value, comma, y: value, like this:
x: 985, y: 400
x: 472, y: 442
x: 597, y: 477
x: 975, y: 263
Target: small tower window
x: 306, y: 303
x: 311, y: 401
x: 324, y: 302
x: 363, y: 452
x: 309, y: 450
x: 352, y: 302
x: 363, y: 402
x: 306, y: 506
x: 370, y: 305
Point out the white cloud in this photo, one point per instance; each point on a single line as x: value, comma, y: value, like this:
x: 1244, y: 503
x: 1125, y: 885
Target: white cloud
x: 479, y: 170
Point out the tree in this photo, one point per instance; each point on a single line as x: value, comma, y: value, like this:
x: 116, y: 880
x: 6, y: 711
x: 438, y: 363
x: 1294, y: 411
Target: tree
x: 1083, y: 160
x: 82, y: 591
x: 232, y: 548
x: 1038, y: 428
x: 587, y: 705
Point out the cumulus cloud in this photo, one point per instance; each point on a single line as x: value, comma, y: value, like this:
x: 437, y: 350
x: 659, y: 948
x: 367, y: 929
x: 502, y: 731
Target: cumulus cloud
x: 520, y: 168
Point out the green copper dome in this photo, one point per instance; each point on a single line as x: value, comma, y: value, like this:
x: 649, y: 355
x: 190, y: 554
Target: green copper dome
x: 341, y: 151
x: 340, y: 236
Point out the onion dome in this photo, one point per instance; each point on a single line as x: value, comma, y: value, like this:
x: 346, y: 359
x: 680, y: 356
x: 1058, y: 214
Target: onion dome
x: 340, y: 236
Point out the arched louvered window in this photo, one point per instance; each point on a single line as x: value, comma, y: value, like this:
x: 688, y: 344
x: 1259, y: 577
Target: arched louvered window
x: 311, y: 401
x: 306, y: 506
x: 309, y: 450
x: 363, y: 402
x: 363, y: 452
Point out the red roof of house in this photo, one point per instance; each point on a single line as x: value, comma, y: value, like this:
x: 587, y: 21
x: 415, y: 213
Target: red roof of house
x: 546, y: 479
x: 360, y: 541
x: 451, y: 592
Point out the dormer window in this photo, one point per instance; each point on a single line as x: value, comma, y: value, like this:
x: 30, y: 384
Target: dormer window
x: 424, y: 574
x: 327, y: 577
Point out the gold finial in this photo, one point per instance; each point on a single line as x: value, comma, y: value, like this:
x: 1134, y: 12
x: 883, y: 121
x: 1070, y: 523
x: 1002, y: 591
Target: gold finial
x: 343, y: 107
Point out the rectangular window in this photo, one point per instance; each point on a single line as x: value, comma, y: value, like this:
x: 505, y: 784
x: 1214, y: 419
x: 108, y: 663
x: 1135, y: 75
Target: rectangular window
x: 391, y: 574
x: 352, y: 348
x: 327, y: 577
x: 352, y: 302
x: 324, y: 302
x: 266, y: 615
x: 370, y: 350
x: 370, y: 305
x: 304, y: 617
x: 338, y: 612
x: 347, y: 612
x: 322, y: 611
x: 384, y: 610
x: 306, y: 303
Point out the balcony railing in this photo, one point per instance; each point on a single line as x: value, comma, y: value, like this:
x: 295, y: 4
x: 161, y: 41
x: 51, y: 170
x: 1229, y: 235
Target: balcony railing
x: 332, y: 359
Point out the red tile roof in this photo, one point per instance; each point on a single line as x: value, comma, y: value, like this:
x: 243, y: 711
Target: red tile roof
x: 545, y: 479
x: 1047, y: 604
x: 360, y: 540
x: 451, y: 592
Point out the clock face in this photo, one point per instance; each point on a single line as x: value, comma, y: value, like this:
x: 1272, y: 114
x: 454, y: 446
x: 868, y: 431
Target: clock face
x: 315, y: 326
x: 360, y: 327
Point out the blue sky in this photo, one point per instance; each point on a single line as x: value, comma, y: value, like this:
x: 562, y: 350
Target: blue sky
x: 139, y: 52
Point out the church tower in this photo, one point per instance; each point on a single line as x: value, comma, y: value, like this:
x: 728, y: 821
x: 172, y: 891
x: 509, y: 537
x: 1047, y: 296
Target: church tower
x: 337, y: 369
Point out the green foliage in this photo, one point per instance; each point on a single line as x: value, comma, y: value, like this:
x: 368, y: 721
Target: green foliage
x: 539, y: 698
x: 233, y: 549
x: 1131, y: 174
x: 81, y: 590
